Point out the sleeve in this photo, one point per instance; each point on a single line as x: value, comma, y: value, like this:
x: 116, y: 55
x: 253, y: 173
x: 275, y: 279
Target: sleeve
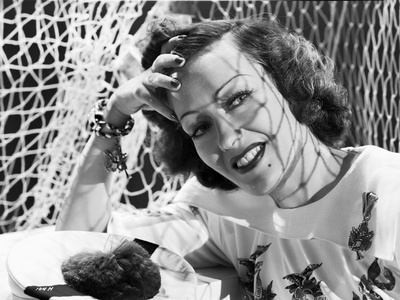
x: 174, y: 227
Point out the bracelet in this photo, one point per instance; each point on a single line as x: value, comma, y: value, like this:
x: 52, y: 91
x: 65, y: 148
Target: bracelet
x: 97, y: 122
x: 115, y: 159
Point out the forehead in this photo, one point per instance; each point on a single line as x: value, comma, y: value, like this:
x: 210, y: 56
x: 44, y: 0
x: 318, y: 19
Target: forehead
x: 223, y: 54
x: 208, y: 70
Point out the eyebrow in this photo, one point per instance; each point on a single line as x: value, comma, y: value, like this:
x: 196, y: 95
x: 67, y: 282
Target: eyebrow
x: 215, y: 95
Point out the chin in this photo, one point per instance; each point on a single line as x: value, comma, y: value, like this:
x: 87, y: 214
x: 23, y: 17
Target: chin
x: 256, y: 190
x: 260, y: 187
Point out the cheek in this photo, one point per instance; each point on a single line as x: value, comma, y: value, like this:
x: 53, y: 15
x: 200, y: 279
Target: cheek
x: 258, y: 118
x: 274, y: 120
x: 208, y: 152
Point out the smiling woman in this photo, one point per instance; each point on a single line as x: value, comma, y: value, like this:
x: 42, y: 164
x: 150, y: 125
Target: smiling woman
x: 252, y: 115
x: 300, y: 74
x: 231, y: 98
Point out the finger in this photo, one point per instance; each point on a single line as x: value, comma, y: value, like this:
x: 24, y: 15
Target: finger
x: 171, y: 44
x: 158, y: 80
x: 153, y: 103
x: 167, y: 61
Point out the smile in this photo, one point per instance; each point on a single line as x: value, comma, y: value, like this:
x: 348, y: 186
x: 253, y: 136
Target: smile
x: 249, y: 158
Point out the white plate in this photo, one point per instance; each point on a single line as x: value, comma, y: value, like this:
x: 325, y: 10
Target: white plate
x: 36, y: 261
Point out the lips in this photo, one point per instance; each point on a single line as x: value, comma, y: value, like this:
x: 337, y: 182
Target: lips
x: 249, y: 158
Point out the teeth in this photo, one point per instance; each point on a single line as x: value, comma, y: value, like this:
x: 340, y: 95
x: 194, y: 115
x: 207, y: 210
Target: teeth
x: 248, y: 157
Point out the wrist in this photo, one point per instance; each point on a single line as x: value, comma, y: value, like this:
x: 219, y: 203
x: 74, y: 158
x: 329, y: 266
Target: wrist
x: 114, y: 116
x: 115, y: 159
x: 102, y: 127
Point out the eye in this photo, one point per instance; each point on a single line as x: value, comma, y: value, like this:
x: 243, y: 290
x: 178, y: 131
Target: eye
x: 199, y: 131
x: 237, y: 99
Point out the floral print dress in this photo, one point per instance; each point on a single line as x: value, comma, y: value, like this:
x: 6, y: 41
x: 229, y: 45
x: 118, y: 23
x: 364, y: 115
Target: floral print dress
x: 344, y: 246
x: 271, y: 268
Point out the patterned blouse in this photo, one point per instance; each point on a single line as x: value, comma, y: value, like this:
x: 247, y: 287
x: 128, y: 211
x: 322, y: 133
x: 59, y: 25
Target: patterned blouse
x: 344, y: 246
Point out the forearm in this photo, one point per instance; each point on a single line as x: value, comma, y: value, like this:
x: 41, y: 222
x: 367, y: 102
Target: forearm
x: 87, y: 205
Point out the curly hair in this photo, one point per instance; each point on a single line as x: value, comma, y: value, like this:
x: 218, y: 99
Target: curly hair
x: 304, y: 77
x: 125, y: 273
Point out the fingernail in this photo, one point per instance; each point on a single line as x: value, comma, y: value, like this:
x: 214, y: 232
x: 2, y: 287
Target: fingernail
x: 179, y: 60
x: 176, y: 53
x: 175, y: 83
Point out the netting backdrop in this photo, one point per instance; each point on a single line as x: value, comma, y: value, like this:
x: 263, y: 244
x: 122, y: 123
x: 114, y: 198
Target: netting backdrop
x: 59, y: 57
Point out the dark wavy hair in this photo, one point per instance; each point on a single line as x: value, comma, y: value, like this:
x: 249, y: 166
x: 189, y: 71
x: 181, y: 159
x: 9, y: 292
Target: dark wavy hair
x: 304, y: 77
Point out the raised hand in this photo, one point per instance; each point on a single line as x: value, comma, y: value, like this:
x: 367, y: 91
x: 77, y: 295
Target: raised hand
x: 140, y: 92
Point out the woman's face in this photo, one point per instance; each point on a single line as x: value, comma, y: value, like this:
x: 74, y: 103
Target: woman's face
x: 240, y: 124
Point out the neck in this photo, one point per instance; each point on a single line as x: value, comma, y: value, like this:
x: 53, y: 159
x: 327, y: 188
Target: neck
x: 314, y: 173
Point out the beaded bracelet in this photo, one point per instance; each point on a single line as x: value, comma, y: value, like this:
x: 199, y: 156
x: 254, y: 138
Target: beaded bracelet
x: 115, y: 159
x: 97, y: 122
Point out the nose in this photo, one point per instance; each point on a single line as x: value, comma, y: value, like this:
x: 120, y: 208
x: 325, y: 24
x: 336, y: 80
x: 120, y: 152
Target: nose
x: 228, y: 135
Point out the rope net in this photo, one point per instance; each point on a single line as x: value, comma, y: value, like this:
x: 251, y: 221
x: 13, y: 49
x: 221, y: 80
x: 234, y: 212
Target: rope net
x: 59, y: 57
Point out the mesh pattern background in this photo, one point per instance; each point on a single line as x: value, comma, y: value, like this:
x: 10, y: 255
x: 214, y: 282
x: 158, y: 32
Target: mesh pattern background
x: 58, y: 57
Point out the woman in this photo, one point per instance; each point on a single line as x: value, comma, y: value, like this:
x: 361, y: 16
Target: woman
x: 253, y: 112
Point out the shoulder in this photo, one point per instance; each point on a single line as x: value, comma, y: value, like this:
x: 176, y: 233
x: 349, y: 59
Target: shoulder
x: 377, y: 166
x: 377, y: 156
x: 380, y: 168
x: 381, y: 171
